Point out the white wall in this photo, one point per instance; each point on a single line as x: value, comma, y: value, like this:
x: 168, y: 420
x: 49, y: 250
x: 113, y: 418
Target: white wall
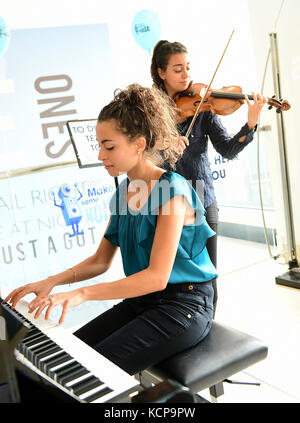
x: 205, y: 28
x: 282, y: 18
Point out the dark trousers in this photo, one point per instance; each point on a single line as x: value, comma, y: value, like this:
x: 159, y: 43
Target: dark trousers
x: 138, y: 333
x: 212, y: 218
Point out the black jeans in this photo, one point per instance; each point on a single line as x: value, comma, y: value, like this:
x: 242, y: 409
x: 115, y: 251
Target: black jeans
x: 212, y: 218
x: 138, y: 333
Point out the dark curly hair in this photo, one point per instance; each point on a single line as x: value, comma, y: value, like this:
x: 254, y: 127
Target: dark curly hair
x: 160, y: 58
x: 146, y: 112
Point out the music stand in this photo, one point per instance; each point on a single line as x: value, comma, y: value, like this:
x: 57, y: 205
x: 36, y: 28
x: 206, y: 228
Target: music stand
x: 83, y: 138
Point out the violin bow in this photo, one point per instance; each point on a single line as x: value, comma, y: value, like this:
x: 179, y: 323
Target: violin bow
x: 207, y: 89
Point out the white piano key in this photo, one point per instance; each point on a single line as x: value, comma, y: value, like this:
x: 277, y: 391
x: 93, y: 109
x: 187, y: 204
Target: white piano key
x: 79, y: 379
x: 49, y: 356
x: 59, y: 366
x: 40, y: 322
x: 93, y: 391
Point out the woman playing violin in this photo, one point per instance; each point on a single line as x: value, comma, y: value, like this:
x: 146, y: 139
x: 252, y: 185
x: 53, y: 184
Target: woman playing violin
x: 170, y: 71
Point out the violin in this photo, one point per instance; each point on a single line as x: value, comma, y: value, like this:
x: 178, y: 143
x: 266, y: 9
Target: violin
x: 200, y: 97
x: 222, y: 102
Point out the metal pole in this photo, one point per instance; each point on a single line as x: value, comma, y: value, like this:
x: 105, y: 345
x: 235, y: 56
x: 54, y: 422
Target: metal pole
x: 290, y: 278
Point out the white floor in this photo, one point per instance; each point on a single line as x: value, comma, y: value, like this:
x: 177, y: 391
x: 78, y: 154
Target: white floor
x: 251, y: 301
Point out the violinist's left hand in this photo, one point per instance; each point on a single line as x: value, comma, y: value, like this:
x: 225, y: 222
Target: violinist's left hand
x: 254, y: 109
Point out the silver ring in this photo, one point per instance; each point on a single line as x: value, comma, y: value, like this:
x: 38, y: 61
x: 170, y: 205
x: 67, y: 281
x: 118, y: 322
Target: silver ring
x: 51, y: 300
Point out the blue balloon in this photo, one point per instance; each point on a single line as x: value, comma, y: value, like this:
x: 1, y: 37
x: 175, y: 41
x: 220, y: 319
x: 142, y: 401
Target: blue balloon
x: 146, y: 29
x: 4, y: 36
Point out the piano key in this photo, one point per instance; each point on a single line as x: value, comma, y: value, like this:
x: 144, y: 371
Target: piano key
x: 98, y: 394
x: 22, y: 344
x: 74, y: 376
x: 33, y: 340
x: 34, y: 337
x: 32, y: 331
x: 48, y: 352
x: 22, y: 317
x: 37, y: 345
x: 54, y: 369
x: 56, y: 374
x: 77, y: 380
x: 54, y: 361
x: 32, y: 327
x: 40, y: 322
x: 75, y: 367
x: 30, y: 353
x: 86, y: 385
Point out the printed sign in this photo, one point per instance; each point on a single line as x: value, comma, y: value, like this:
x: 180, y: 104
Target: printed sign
x: 52, y: 219
x: 84, y: 141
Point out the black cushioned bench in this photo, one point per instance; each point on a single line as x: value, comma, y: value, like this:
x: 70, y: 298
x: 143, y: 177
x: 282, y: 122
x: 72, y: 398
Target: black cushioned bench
x: 224, y: 352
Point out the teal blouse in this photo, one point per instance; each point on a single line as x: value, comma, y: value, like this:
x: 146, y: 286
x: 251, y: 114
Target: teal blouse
x: 133, y: 231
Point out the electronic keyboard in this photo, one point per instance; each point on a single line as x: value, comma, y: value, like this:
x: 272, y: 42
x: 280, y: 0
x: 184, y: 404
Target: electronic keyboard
x: 64, y: 361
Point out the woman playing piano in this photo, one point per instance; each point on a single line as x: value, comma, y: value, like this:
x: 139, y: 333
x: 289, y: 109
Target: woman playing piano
x: 158, y: 222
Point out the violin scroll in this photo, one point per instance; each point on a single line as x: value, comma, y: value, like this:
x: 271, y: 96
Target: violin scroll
x: 281, y: 105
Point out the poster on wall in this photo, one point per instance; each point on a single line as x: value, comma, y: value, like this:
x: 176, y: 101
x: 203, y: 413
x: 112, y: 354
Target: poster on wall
x: 52, y: 75
x: 55, y: 218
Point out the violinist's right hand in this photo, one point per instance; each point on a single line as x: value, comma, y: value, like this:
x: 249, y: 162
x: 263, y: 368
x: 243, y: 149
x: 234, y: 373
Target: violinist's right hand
x: 40, y: 289
x: 183, y: 143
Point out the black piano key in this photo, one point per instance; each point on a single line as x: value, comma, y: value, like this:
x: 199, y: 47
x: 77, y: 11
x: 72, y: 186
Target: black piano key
x: 32, y: 335
x: 39, y: 343
x: 22, y: 317
x: 52, y: 362
x: 30, y: 352
x: 34, y: 345
x: 98, y: 394
x: 75, y: 374
x: 34, y: 341
x: 47, y: 352
x: 86, y: 385
x: 29, y: 337
x: 32, y: 331
x: 63, y: 371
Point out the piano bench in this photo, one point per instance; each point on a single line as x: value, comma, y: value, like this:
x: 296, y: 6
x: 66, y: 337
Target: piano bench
x: 224, y: 352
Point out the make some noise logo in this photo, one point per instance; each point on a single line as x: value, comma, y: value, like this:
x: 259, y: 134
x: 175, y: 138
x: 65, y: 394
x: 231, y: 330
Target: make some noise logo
x: 77, y: 203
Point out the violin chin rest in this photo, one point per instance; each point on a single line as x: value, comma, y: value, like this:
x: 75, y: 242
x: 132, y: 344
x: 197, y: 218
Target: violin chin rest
x: 202, y: 92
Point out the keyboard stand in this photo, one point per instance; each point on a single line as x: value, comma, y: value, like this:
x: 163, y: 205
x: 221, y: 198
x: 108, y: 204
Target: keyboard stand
x: 8, y: 378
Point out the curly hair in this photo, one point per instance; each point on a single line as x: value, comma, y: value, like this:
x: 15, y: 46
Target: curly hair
x: 160, y: 58
x: 146, y: 112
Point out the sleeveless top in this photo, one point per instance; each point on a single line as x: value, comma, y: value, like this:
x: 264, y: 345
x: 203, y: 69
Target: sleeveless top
x: 133, y: 231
